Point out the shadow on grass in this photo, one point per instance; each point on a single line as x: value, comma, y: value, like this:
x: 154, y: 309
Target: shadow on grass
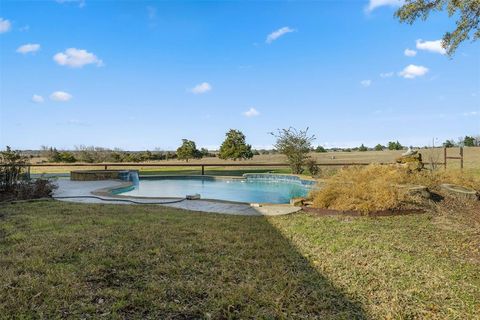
x: 73, y: 260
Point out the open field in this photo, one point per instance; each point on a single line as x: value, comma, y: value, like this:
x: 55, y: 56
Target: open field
x: 64, y: 260
x: 472, y: 162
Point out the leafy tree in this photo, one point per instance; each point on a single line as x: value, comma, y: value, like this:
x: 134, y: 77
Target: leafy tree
x: 362, y: 148
x: 295, y: 144
x: 188, y: 150
x: 466, y: 11
x: 234, y: 147
x: 394, y: 145
x: 379, y: 147
x: 449, y: 144
x: 320, y: 149
x: 469, y: 141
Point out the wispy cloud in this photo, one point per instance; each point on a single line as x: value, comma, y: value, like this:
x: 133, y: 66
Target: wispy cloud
x: 37, y: 98
x: 374, y: 4
x: 471, y: 114
x: 366, y: 83
x: 61, y: 96
x: 76, y: 58
x: 410, y: 52
x: 431, y: 46
x: 201, y: 88
x: 151, y: 12
x: 28, y: 48
x: 412, y: 71
x: 81, y: 3
x: 5, y: 25
x: 278, y: 33
x: 387, y: 74
x: 252, y: 112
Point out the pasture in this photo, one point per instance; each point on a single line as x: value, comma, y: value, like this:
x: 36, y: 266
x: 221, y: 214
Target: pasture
x: 471, y: 164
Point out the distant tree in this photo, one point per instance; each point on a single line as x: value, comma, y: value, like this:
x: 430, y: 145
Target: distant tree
x: 295, y: 144
x: 394, y: 145
x: 362, y: 148
x: 379, y: 147
x: 320, y: 149
x: 188, y: 150
x: 235, y: 147
x: 54, y: 155
x: 255, y: 152
x: 67, y: 157
x: 469, y: 141
x: 467, y: 13
x: 449, y: 144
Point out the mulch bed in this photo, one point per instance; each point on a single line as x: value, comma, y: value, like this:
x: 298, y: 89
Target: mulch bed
x: 380, y: 213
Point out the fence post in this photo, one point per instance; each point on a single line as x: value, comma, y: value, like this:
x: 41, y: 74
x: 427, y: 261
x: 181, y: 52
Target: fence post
x: 461, y: 158
x: 445, y: 157
x: 203, y: 170
x: 105, y: 167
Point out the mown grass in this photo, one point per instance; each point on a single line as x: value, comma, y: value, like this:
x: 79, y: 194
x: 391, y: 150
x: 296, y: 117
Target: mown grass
x: 64, y: 260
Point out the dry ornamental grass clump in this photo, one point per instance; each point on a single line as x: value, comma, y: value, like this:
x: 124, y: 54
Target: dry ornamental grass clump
x: 379, y: 187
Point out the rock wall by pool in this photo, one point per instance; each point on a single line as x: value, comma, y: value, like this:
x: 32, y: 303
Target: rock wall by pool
x: 278, y: 177
x: 95, y: 175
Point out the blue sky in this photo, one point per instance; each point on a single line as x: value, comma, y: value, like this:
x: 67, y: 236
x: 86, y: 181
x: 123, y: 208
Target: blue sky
x: 144, y: 75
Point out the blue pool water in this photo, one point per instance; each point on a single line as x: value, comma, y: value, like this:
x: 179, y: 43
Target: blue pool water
x: 240, y: 190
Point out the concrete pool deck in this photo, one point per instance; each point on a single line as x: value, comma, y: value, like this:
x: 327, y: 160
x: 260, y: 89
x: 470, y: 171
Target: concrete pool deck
x: 68, y: 188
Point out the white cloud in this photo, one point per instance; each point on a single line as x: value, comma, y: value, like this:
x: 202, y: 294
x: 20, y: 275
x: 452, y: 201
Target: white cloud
x: 252, y: 112
x: 471, y: 114
x: 278, y: 33
x: 366, y: 83
x: 373, y: 4
x: 386, y: 74
x: 60, y: 96
x: 37, y: 98
x: 29, y: 47
x: 5, y: 25
x: 412, y: 71
x: 410, y: 52
x: 76, y: 58
x: 201, y: 88
x: 432, y: 46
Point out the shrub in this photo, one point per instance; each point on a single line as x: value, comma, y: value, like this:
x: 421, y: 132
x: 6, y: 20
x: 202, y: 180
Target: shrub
x: 14, y: 184
x: 38, y: 188
x: 312, y: 167
x: 11, y: 169
x: 320, y: 149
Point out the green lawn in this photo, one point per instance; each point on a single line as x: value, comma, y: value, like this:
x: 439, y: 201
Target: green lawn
x: 60, y: 260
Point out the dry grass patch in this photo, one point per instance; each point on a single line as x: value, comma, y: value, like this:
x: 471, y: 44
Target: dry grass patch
x: 376, y: 187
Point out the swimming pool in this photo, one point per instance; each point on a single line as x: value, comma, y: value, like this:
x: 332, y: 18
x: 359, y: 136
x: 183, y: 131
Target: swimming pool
x: 251, y: 190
